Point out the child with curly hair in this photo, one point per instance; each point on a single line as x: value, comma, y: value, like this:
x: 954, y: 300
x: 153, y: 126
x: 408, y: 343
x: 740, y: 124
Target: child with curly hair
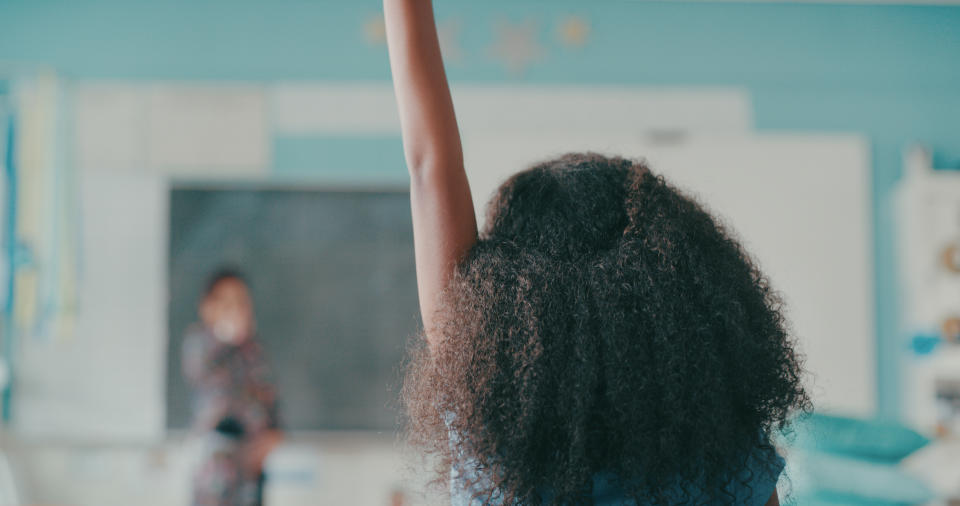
x: 602, y: 341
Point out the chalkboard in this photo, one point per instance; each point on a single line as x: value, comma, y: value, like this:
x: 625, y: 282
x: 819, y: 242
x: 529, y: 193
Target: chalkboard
x: 334, y: 287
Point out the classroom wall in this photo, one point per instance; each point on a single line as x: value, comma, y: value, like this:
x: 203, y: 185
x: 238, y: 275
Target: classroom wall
x: 888, y: 71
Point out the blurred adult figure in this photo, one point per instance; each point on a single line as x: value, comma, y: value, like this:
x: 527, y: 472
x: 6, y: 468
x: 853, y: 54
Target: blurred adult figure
x: 234, y: 401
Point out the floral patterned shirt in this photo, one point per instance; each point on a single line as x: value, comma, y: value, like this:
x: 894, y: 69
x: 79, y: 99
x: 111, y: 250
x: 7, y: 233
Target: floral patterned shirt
x: 231, y: 388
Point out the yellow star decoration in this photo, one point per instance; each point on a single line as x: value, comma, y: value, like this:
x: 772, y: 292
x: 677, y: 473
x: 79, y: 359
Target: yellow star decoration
x: 375, y: 30
x: 574, y: 31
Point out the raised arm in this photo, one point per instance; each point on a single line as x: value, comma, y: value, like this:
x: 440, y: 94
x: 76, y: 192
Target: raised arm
x: 444, y: 226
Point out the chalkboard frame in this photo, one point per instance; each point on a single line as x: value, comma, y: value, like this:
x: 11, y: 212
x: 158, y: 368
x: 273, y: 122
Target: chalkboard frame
x: 281, y: 187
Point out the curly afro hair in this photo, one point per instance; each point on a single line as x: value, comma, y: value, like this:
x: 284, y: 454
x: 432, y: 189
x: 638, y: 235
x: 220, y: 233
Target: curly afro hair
x: 603, y: 323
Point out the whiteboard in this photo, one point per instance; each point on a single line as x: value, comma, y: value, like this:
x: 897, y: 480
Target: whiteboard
x: 800, y: 204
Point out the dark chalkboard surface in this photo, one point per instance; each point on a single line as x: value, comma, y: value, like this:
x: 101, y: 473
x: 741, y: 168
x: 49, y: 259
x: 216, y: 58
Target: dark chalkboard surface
x: 333, y: 281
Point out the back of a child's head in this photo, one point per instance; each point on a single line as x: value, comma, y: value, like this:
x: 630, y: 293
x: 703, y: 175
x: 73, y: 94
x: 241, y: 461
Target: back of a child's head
x: 604, y: 322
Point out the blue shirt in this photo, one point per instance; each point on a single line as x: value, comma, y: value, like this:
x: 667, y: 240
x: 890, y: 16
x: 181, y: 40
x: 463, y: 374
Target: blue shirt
x: 762, y: 472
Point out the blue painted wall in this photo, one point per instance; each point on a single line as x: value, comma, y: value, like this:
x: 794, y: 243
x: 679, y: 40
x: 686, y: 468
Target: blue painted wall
x: 891, y: 72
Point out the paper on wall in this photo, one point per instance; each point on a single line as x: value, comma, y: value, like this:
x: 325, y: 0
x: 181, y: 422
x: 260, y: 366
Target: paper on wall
x: 195, y: 129
x: 109, y: 131
x: 207, y: 129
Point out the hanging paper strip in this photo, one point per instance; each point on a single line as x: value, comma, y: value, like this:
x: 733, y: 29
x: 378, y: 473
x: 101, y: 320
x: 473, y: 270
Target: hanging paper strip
x: 9, y: 172
x: 45, y: 260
